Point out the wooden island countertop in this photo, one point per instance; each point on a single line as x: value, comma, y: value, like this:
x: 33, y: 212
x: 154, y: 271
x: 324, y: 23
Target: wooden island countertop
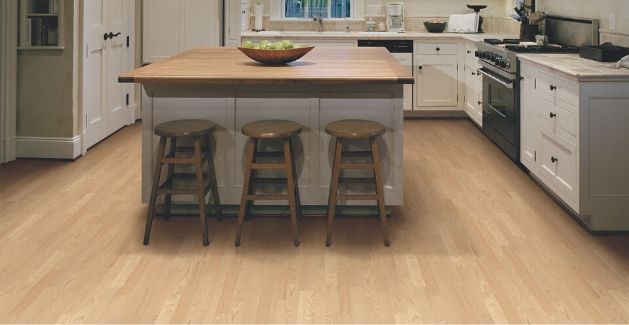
x: 228, y: 66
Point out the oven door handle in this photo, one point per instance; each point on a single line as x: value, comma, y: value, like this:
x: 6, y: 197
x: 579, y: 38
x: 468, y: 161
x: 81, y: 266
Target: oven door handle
x: 508, y: 85
x: 503, y: 115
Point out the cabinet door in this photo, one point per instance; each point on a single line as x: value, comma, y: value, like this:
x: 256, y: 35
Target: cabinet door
x: 529, y: 126
x: 202, y: 20
x: 437, y: 85
x: 161, y: 29
x: 558, y: 166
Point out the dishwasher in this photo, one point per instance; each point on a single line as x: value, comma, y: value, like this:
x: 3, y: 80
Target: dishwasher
x: 402, y: 50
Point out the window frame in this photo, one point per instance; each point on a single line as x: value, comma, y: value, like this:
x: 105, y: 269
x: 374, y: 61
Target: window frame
x: 278, y: 11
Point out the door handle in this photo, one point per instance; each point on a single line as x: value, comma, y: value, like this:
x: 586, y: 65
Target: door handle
x: 500, y: 82
x: 111, y: 35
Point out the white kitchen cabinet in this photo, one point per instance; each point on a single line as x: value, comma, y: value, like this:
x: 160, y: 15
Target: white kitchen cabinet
x: 173, y: 26
x: 436, y: 82
x: 473, y: 83
x: 574, y: 141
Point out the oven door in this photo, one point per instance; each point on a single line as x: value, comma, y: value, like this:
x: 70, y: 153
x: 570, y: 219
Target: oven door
x: 500, y: 111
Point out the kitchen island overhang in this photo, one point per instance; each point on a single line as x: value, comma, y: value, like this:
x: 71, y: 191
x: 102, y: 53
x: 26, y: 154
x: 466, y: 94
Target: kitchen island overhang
x: 329, y: 84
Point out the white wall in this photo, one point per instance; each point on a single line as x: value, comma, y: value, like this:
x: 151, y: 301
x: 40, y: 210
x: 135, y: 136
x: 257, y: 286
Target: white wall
x: 598, y: 9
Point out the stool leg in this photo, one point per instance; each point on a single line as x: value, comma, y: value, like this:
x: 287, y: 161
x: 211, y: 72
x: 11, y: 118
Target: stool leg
x: 200, y: 190
x: 334, y: 184
x: 296, y: 188
x: 292, y: 183
x: 169, y: 176
x: 153, y: 200
x: 251, y: 145
x: 212, y: 175
x: 380, y: 190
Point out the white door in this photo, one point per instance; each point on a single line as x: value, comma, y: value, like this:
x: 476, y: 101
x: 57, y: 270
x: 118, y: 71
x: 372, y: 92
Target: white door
x: 116, y: 64
x: 437, y: 85
x: 94, y: 100
x: 104, y: 99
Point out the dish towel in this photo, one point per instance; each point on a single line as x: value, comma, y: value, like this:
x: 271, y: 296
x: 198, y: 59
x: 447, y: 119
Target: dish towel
x: 467, y: 23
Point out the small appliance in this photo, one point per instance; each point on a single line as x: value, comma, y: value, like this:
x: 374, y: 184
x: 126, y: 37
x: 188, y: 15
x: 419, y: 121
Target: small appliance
x: 395, y: 17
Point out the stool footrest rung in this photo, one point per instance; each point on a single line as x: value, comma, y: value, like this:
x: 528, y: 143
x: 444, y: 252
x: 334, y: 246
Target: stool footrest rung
x: 267, y: 197
x: 183, y: 159
x: 259, y: 166
x: 167, y: 189
x: 356, y: 166
x: 357, y: 197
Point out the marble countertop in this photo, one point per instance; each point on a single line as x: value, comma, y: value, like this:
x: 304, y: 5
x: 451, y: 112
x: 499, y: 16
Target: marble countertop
x: 370, y: 35
x: 575, y: 66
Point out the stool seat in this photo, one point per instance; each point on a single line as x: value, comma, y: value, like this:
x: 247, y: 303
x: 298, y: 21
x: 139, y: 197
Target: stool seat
x: 271, y: 129
x: 184, y: 128
x: 355, y: 129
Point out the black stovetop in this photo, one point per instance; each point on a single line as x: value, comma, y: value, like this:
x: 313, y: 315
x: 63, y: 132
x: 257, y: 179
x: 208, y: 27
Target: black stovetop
x: 513, y: 44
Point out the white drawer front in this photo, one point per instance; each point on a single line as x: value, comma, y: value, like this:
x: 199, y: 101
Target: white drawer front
x: 557, y: 91
x: 559, y: 167
x: 557, y: 119
x: 436, y: 48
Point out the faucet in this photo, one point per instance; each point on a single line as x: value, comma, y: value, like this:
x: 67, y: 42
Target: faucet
x: 318, y: 20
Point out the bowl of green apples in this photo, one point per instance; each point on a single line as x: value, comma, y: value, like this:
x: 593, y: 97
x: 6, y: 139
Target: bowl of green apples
x: 275, y: 53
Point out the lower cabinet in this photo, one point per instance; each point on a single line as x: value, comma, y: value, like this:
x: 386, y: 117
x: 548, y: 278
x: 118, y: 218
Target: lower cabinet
x: 473, y: 83
x: 574, y: 141
x: 436, y: 82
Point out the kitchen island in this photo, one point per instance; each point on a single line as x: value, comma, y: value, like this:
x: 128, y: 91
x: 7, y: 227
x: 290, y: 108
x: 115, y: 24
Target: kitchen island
x: 328, y: 84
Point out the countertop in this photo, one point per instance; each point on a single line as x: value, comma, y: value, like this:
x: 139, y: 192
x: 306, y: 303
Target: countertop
x: 228, y: 66
x: 577, y: 67
x: 370, y: 35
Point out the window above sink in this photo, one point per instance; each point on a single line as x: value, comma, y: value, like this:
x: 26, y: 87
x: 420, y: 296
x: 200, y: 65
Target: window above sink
x: 308, y: 9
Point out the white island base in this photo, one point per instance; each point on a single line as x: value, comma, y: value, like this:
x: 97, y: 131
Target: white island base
x: 313, y: 106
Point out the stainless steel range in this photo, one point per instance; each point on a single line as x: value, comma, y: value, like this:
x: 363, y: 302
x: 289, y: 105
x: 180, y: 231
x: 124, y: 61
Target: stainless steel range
x: 501, y: 75
x: 501, y: 89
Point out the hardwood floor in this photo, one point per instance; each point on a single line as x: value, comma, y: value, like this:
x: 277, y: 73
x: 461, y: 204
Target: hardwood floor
x: 477, y: 241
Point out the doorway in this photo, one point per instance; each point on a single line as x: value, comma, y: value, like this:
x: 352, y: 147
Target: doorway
x: 108, y: 50
x: 8, y: 79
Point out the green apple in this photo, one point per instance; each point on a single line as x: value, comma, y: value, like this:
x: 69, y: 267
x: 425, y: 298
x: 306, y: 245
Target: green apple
x: 287, y: 43
x: 248, y: 44
x: 270, y: 46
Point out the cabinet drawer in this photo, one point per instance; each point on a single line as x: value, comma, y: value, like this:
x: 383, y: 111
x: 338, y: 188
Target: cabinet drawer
x: 557, y: 91
x: 436, y: 48
x: 558, y: 119
x: 558, y: 164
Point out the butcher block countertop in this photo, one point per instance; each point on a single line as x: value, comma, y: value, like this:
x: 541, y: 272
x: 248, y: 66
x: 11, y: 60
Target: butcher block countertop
x: 228, y: 66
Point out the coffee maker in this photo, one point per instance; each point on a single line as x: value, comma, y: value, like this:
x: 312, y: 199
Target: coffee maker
x: 395, y: 17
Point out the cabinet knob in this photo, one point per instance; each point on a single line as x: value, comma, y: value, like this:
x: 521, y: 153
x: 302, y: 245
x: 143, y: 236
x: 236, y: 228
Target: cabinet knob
x: 552, y: 88
x: 553, y: 115
x: 554, y: 160
x: 420, y: 67
x: 479, y: 102
x: 473, y: 73
x: 469, y: 52
x: 111, y: 35
x: 438, y: 49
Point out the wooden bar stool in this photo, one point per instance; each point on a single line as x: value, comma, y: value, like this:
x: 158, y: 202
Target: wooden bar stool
x: 357, y: 130
x: 197, y: 131
x: 270, y: 130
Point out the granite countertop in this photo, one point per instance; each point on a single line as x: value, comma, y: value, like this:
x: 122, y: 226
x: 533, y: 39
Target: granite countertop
x: 575, y: 66
x: 371, y: 35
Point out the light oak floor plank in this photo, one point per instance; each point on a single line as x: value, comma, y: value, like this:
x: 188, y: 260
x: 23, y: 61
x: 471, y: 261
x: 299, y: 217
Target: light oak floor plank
x: 476, y: 241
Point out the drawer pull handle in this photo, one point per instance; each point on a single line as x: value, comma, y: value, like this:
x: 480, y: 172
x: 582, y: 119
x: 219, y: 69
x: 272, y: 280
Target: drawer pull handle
x: 554, y: 160
x: 479, y: 102
x: 473, y: 73
x: 553, y: 88
x: 553, y: 115
x: 469, y: 52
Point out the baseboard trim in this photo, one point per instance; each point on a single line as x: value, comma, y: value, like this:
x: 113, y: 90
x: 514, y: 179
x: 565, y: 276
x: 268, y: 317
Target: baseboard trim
x: 49, y: 148
x: 435, y: 114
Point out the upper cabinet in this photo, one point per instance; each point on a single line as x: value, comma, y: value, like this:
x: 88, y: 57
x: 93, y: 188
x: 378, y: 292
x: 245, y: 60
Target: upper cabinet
x: 173, y: 26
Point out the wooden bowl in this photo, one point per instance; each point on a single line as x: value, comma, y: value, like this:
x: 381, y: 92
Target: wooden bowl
x: 276, y: 57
